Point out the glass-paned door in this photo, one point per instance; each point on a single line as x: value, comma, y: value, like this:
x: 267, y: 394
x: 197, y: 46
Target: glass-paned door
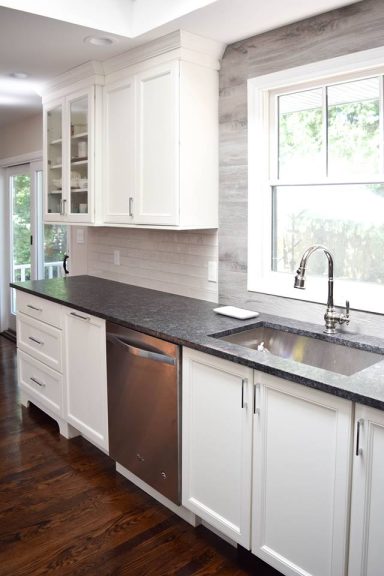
x: 36, y: 249
x: 79, y: 125
x: 22, y: 256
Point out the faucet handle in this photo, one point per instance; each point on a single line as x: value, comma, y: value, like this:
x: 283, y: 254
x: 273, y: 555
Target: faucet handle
x: 344, y: 318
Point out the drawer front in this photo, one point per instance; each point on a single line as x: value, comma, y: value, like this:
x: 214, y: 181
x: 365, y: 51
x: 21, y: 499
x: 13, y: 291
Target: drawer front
x: 40, y: 382
x: 39, y: 308
x: 40, y: 340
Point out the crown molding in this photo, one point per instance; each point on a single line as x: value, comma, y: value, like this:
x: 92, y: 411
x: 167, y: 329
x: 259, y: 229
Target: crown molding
x: 210, y: 51
x: 178, y: 44
x: 91, y: 69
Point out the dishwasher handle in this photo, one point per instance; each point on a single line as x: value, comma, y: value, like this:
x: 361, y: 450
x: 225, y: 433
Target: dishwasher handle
x: 141, y: 352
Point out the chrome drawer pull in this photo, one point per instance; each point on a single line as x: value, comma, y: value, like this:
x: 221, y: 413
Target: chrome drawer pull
x: 360, y: 423
x: 80, y: 316
x: 34, y: 308
x: 36, y: 340
x: 41, y: 384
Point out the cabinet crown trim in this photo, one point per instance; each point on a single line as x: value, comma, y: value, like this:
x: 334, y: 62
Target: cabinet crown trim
x: 92, y: 72
x: 173, y: 41
x: 179, y: 40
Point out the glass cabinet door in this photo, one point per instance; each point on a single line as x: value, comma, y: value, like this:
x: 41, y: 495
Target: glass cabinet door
x: 78, y: 126
x: 55, y: 160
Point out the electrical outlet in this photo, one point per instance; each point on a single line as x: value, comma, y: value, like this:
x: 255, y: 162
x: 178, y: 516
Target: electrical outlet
x: 80, y: 236
x: 212, y: 271
x: 116, y: 257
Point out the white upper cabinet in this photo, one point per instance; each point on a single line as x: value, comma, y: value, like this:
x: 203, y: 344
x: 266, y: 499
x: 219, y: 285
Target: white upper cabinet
x: 72, y: 144
x: 157, y: 145
x: 134, y: 141
x: 119, y: 151
x: 161, y: 139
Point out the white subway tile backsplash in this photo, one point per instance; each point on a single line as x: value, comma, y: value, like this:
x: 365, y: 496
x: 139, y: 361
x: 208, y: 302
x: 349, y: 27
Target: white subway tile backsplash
x: 163, y: 260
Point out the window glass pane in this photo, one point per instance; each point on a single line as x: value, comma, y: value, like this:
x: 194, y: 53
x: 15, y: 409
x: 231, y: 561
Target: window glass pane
x: 20, y: 187
x: 301, y: 134
x: 55, y: 246
x: 353, y: 128
x: 348, y: 219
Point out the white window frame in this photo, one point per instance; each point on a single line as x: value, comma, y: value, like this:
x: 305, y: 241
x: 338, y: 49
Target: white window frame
x: 363, y: 296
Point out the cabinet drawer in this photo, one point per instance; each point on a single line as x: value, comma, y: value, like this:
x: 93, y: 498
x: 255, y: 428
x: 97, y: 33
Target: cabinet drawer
x: 39, y: 308
x: 40, y: 382
x: 40, y: 340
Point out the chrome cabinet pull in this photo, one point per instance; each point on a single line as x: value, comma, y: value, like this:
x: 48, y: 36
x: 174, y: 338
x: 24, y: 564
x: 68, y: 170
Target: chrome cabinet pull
x: 62, y: 206
x: 34, y: 308
x: 256, y: 409
x: 41, y: 384
x: 36, y: 340
x: 359, y: 423
x: 130, y: 206
x: 244, y: 382
x: 80, y: 316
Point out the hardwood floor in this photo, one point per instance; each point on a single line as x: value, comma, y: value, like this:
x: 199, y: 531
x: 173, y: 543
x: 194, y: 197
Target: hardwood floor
x: 65, y: 511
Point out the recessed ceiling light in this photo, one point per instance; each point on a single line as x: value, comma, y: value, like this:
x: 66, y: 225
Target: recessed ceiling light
x: 98, y: 40
x: 19, y: 75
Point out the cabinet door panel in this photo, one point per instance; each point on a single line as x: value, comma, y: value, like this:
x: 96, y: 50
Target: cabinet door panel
x: 157, y: 146
x: 367, y: 514
x: 86, y: 376
x: 301, y: 478
x: 119, y: 151
x: 217, y: 443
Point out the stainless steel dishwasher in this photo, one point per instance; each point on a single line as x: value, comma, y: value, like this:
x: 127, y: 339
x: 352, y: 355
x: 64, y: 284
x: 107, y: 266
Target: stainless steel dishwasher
x: 144, y: 407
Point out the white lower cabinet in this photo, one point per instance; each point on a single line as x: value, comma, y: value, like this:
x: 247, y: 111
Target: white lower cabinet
x: 301, y: 478
x: 300, y: 452
x: 366, y: 556
x: 217, y: 436
x: 85, y: 392
x: 62, y: 366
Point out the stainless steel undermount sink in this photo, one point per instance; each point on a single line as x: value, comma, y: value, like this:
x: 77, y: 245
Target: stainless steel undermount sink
x: 305, y: 349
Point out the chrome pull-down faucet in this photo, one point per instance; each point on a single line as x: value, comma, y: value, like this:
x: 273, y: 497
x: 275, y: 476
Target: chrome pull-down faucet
x: 331, y: 317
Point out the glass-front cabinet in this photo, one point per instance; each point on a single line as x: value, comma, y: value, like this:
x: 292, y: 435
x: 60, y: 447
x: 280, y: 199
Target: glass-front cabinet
x: 54, y: 172
x: 70, y: 125
x: 78, y: 118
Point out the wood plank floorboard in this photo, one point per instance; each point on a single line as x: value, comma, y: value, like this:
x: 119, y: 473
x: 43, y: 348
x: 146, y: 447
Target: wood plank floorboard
x: 65, y: 511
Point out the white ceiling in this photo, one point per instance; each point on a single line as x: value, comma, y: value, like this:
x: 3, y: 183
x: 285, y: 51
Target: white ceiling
x: 45, y: 46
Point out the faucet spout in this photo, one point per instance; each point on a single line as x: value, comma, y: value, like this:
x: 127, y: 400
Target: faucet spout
x: 330, y: 317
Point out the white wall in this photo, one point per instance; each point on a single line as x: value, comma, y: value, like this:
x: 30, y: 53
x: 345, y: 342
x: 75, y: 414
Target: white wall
x: 22, y: 137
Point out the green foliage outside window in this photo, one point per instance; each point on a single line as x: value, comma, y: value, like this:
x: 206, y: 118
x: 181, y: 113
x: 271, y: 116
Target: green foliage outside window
x: 55, y: 236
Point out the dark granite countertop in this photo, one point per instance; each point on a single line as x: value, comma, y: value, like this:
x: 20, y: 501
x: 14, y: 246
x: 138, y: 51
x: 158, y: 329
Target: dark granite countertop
x: 191, y: 322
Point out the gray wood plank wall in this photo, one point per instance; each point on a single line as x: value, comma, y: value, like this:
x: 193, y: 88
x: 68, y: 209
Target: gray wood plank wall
x: 351, y: 29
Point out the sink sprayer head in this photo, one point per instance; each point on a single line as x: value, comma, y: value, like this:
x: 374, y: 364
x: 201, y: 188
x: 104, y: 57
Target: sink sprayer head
x: 300, y: 279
